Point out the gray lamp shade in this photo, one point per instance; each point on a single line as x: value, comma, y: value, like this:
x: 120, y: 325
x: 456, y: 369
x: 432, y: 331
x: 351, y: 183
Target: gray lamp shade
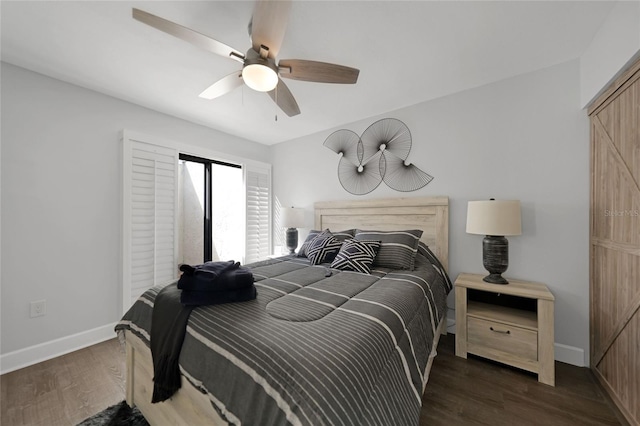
x: 494, y: 219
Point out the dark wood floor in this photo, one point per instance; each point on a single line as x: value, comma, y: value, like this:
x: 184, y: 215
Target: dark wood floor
x: 475, y: 391
x: 66, y: 390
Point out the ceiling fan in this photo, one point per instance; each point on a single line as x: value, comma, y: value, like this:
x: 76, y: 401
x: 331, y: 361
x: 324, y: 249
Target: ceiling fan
x: 260, y: 71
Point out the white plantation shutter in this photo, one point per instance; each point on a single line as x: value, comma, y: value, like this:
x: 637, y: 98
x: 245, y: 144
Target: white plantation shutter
x: 149, y: 222
x: 258, y: 213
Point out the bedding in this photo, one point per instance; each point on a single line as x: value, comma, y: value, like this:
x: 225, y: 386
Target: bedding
x: 318, y: 346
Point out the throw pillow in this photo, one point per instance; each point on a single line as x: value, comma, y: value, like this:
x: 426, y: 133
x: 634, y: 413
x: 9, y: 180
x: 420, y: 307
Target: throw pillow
x: 356, y: 255
x: 323, y: 248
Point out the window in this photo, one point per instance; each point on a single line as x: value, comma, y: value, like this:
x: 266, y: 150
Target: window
x: 211, y: 202
x: 153, y: 207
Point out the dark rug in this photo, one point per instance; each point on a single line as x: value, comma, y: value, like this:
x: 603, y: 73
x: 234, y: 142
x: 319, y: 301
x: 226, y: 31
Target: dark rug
x: 116, y: 415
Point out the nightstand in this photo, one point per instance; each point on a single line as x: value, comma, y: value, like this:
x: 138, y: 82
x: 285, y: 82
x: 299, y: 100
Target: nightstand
x: 511, y: 324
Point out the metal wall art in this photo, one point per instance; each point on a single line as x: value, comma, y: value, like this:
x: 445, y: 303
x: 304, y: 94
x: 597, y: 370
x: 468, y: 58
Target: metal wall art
x: 379, y: 155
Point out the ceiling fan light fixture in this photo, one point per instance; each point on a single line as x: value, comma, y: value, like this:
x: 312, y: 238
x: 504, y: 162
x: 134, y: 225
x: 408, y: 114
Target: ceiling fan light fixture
x: 260, y: 77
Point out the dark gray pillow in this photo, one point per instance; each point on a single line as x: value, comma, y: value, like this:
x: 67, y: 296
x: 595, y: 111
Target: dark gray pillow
x: 397, y: 249
x: 303, y: 249
x: 345, y: 235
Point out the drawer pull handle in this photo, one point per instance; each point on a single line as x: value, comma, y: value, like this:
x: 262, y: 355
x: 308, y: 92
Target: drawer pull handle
x: 500, y: 331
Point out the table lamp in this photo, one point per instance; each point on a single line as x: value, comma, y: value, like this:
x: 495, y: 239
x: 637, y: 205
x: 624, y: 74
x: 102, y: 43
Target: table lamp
x: 495, y: 219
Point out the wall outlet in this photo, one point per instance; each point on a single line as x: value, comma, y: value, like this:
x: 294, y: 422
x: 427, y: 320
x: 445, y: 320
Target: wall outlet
x: 38, y: 308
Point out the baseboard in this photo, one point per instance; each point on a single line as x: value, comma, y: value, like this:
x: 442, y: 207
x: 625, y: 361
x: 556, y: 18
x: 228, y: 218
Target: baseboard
x: 570, y: 355
x: 44, y: 351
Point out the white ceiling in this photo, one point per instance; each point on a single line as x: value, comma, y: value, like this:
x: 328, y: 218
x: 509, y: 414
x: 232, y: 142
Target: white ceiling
x: 407, y: 53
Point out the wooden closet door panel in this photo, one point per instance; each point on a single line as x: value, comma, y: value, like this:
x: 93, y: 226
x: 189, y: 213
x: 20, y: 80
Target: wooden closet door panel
x: 620, y: 369
x: 628, y: 141
x: 616, y: 294
x: 615, y: 185
x: 615, y: 244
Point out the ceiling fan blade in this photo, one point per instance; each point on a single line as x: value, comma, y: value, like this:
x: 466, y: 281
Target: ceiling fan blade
x: 223, y: 86
x: 184, y: 33
x: 268, y: 24
x: 282, y: 96
x: 321, y: 72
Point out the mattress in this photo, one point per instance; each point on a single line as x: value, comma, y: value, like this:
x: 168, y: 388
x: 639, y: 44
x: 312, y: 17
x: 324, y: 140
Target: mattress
x: 318, y: 346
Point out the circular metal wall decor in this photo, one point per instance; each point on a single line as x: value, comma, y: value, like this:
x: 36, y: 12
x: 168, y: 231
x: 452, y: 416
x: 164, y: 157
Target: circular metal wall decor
x: 389, y: 135
x: 347, y: 143
x: 380, y: 155
x: 401, y: 176
x: 359, y: 179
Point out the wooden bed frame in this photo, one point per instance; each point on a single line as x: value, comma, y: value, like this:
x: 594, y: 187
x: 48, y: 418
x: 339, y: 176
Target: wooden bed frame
x: 189, y: 406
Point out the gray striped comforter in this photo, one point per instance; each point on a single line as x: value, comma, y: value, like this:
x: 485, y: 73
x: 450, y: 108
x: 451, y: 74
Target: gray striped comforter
x: 349, y: 349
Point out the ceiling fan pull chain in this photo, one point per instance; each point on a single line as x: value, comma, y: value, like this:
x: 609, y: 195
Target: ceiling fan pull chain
x: 276, y: 103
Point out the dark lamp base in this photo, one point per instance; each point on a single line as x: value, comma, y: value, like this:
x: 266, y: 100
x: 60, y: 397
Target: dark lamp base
x: 291, y: 239
x: 495, y: 258
x: 495, y: 279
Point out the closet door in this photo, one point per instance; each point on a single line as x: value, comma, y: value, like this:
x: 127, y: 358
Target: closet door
x: 615, y: 242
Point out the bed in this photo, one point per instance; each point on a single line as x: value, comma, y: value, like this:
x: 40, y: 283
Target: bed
x: 319, y: 345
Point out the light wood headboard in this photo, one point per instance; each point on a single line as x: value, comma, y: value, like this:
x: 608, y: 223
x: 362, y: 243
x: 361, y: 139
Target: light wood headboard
x: 431, y: 214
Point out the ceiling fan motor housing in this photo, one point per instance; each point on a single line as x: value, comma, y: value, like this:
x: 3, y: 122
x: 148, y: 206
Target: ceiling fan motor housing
x: 259, y: 73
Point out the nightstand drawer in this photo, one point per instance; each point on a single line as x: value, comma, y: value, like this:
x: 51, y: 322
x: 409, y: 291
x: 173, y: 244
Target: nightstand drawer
x: 496, y: 336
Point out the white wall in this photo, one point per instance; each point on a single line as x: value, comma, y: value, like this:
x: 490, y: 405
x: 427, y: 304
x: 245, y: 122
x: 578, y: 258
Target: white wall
x: 523, y: 138
x: 615, y: 46
x: 61, y: 200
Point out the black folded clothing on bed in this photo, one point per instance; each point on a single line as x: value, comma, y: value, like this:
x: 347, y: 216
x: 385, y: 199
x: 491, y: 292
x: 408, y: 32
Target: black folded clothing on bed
x: 200, y: 298
x: 215, y: 276
x: 210, y: 284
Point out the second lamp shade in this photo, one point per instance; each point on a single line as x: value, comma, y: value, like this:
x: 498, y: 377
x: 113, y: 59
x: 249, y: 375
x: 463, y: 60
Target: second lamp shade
x: 494, y: 217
